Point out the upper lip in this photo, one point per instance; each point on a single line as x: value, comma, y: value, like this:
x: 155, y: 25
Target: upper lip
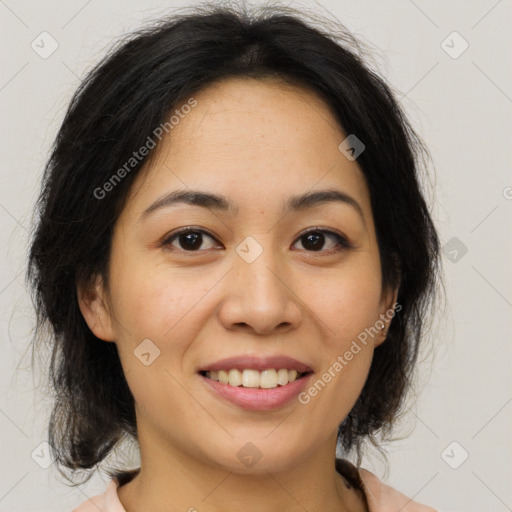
x: 259, y: 363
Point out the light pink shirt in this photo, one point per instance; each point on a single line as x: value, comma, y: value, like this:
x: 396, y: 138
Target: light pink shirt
x: 381, y: 498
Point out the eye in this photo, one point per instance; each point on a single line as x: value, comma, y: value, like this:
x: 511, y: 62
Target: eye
x: 188, y: 239
x: 191, y: 239
x: 315, y: 239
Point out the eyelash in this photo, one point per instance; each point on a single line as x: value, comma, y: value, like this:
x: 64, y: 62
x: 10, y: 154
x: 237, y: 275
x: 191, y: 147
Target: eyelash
x: 342, y: 244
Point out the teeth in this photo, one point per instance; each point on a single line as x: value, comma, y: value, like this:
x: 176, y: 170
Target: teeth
x: 282, y: 377
x: 251, y: 378
x: 235, y: 378
x: 266, y: 379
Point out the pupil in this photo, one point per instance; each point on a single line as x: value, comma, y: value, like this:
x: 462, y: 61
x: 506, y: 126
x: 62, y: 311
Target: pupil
x: 192, y: 240
x: 314, y: 238
x: 314, y: 241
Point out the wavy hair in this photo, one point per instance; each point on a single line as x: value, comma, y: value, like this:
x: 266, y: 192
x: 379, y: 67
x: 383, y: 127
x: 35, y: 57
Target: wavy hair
x: 118, y: 105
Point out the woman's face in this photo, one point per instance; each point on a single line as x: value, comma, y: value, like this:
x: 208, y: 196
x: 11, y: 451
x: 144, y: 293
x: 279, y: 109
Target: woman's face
x: 247, y: 282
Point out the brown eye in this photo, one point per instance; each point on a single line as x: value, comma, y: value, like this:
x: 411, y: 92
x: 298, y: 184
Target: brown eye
x: 188, y: 239
x: 315, y: 240
x: 192, y: 240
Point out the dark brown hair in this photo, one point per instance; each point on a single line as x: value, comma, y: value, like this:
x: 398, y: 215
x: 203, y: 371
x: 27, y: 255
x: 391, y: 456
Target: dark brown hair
x: 118, y: 105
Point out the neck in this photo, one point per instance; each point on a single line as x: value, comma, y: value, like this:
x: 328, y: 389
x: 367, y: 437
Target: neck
x: 171, y: 480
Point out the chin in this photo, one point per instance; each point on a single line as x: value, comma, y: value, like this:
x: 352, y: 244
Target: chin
x: 255, y: 457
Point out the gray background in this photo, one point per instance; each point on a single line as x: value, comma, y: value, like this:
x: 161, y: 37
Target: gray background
x: 461, y: 106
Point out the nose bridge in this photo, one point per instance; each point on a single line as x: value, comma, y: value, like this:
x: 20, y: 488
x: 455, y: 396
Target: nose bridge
x: 256, y: 268
x: 257, y: 295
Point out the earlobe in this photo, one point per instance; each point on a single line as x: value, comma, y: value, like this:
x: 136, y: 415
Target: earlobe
x: 94, y: 308
x: 386, y: 316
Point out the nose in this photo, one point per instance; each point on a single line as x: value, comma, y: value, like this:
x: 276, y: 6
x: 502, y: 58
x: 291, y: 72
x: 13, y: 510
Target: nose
x: 258, y: 298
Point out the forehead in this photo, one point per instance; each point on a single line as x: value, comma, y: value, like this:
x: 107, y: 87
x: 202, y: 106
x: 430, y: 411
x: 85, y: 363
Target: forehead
x: 258, y: 140
x: 251, y: 114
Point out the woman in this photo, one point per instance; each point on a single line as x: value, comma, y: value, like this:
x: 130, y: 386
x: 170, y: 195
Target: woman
x: 235, y: 258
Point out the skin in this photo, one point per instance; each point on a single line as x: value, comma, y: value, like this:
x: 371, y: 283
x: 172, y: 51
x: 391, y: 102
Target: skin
x: 257, y: 142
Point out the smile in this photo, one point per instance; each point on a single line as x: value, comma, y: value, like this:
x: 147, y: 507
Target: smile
x: 252, y: 397
x: 249, y: 378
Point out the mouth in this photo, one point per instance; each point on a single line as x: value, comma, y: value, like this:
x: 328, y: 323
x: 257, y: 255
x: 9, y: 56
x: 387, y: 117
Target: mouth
x: 254, y: 390
x: 270, y: 378
x: 256, y: 382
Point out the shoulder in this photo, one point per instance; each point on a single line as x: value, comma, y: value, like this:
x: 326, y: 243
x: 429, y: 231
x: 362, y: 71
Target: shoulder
x: 106, y: 502
x: 383, y: 498
x: 379, y: 496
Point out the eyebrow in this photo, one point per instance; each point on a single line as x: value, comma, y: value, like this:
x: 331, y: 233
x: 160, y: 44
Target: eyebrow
x: 225, y: 204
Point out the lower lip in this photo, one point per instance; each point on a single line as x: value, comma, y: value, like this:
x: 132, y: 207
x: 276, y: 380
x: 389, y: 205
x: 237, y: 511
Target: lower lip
x: 257, y: 399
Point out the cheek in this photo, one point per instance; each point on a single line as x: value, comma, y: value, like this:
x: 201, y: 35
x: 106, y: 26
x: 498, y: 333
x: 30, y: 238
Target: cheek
x: 168, y: 308
x: 347, y: 302
x: 334, y: 390
x: 149, y: 298
x: 161, y: 311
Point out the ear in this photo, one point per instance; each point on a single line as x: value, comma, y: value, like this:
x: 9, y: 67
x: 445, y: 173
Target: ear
x: 388, y: 308
x: 94, y: 308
